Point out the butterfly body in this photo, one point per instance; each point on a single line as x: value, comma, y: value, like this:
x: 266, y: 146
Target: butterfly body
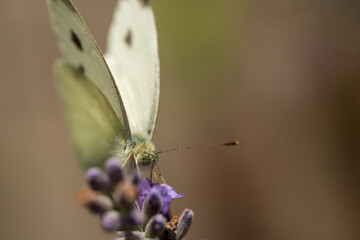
x: 141, y: 147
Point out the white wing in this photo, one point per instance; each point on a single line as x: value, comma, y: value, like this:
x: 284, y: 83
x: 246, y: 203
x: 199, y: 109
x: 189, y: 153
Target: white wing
x: 132, y: 57
x: 81, y: 52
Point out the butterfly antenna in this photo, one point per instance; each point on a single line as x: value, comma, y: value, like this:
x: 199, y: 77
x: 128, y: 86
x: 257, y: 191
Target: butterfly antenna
x: 234, y: 143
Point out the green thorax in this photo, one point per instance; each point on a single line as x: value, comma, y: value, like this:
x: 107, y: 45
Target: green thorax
x: 141, y: 146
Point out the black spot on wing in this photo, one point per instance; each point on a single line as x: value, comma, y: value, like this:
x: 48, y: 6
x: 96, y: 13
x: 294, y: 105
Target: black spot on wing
x: 145, y: 2
x: 81, y: 69
x: 128, y: 38
x: 76, y: 40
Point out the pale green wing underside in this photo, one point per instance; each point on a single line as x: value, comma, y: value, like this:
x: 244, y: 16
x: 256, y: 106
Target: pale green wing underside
x: 93, y: 125
x: 82, y: 53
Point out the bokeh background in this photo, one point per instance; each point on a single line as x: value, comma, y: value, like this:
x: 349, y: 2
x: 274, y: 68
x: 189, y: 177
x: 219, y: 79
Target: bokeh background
x: 282, y: 77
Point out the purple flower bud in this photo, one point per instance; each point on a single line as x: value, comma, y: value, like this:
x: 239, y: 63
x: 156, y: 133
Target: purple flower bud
x: 100, y: 204
x: 135, y: 178
x: 184, y: 223
x: 97, y: 179
x: 113, y: 170
x: 95, y: 201
x: 131, y: 220
x: 110, y: 220
x: 151, y: 205
x: 125, y: 196
x: 155, y: 226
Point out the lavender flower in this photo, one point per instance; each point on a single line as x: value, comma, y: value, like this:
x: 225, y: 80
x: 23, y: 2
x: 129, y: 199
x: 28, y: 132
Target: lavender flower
x: 151, y: 205
x: 110, y: 220
x: 125, y: 195
x: 184, y: 223
x: 132, y: 206
x: 155, y: 227
x: 97, y: 179
x: 135, y: 178
x: 166, y: 192
x: 131, y: 220
x: 96, y: 202
x: 101, y: 204
x: 114, y: 171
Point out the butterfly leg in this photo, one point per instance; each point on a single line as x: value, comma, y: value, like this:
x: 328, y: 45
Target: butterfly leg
x: 160, y: 175
x: 151, y: 174
x: 155, y: 176
x: 162, y: 178
x: 127, y: 159
x: 137, y: 165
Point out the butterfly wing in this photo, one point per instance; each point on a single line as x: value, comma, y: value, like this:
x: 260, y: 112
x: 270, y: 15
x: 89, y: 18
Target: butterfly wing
x: 93, y: 124
x: 82, y: 53
x: 132, y: 55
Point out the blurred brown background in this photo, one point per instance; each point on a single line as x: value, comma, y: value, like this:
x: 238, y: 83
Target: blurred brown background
x: 282, y: 77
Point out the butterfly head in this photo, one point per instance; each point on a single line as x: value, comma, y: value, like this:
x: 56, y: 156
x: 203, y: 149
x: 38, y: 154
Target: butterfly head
x: 144, y: 150
x: 148, y: 158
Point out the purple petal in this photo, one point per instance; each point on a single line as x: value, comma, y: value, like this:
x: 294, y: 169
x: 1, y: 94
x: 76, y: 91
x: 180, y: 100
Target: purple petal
x: 166, y: 192
x: 144, y: 190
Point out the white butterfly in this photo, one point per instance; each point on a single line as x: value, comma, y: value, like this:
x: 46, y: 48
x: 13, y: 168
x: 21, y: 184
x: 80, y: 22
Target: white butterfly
x: 110, y: 105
